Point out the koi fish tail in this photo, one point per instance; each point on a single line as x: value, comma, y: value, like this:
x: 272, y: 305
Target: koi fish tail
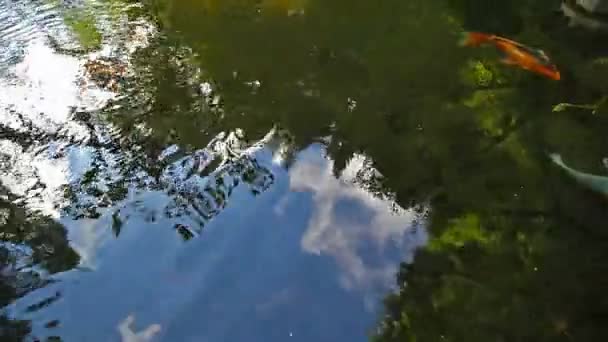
x: 475, y: 38
x: 557, y: 159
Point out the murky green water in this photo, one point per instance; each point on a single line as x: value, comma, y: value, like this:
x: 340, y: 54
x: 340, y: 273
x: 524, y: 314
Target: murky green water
x: 299, y: 170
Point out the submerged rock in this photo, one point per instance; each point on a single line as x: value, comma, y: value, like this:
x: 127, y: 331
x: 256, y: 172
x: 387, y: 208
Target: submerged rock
x: 590, y: 14
x: 594, y: 6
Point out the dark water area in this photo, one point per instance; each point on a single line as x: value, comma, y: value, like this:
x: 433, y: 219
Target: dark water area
x: 300, y: 170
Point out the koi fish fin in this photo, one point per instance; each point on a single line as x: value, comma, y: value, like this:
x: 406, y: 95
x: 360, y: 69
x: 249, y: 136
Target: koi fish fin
x: 557, y: 159
x: 475, y: 38
x: 596, y: 183
x: 508, y: 61
x: 512, y: 42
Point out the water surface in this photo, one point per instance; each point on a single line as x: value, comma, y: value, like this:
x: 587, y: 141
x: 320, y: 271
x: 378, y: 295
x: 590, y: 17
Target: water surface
x: 297, y: 170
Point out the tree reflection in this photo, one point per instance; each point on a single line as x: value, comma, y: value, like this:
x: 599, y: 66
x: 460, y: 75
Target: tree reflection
x: 513, y: 236
x: 503, y: 275
x: 29, y: 242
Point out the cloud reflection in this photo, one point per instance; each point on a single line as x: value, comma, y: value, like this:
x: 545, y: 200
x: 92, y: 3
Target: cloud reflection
x: 127, y: 334
x: 360, y: 230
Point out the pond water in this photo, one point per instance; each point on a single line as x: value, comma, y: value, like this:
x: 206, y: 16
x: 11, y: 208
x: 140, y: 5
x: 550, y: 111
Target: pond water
x: 299, y: 170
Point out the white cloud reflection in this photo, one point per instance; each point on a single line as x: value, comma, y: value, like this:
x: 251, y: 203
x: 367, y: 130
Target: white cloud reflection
x: 127, y: 334
x: 366, y: 234
x: 39, y: 90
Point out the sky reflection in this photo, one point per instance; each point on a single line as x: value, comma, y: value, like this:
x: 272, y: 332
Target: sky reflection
x: 256, y: 273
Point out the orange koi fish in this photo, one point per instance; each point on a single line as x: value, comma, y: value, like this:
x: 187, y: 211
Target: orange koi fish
x: 527, y: 58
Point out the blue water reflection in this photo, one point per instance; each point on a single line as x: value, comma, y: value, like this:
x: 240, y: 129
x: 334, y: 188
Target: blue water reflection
x: 308, y: 260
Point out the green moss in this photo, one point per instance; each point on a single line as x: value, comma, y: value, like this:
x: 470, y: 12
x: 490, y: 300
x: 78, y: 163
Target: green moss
x: 475, y: 73
x: 463, y: 230
x: 83, y: 26
x: 491, y: 108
